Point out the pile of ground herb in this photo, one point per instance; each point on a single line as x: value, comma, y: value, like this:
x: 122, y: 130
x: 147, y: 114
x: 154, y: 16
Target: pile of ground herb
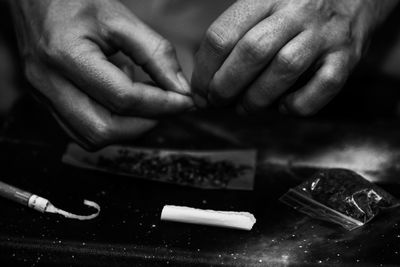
x: 182, y: 168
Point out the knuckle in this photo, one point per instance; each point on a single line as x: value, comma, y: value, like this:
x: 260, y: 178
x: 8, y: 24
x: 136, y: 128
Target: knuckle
x: 111, y: 27
x: 59, y: 55
x: 288, y: 63
x: 51, y: 54
x: 253, y: 49
x: 57, y: 50
x: 217, y: 41
x: 51, y: 49
x: 340, y: 32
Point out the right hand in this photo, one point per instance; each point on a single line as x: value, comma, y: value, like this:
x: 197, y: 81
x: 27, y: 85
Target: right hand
x: 65, y: 46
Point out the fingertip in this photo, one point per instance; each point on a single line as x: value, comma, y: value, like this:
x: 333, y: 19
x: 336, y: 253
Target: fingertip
x: 181, y: 102
x: 299, y: 104
x: 184, y: 84
x: 172, y: 81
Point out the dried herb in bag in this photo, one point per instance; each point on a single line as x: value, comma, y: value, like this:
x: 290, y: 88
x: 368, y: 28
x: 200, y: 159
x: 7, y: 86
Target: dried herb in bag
x: 340, y: 196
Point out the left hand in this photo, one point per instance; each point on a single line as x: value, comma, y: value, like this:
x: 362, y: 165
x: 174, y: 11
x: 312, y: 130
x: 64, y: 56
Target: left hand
x: 255, y: 52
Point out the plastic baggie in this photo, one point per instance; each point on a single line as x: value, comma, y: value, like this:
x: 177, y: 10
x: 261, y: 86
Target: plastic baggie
x: 339, y: 196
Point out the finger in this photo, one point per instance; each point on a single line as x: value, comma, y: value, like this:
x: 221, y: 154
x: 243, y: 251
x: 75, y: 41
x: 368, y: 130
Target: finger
x: 221, y: 38
x: 88, y: 68
x: 87, y: 122
x: 151, y: 51
x: 285, y: 69
x: 250, y: 56
x: 321, y: 89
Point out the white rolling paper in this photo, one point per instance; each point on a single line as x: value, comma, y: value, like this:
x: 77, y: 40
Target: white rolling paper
x: 227, y: 219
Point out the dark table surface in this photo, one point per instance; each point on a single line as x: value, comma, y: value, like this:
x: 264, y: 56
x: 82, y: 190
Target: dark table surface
x: 128, y: 231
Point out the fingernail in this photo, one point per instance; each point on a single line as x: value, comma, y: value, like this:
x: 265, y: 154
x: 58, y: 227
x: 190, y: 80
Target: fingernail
x: 283, y: 109
x: 185, y: 87
x: 200, y: 101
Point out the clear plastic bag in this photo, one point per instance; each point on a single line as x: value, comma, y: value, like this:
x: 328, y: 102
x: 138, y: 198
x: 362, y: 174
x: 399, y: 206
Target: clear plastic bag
x: 339, y: 196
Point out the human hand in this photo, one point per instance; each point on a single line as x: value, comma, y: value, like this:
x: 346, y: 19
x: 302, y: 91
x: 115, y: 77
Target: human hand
x: 257, y: 50
x: 65, y: 46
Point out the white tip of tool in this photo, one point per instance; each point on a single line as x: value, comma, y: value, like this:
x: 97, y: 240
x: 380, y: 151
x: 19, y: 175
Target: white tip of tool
x: 38, y: 203
x: 227, y: 219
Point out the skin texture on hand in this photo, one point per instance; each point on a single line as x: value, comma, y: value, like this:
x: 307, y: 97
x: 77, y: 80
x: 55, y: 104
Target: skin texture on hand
x: 65, y: 46
x: 257, y: 52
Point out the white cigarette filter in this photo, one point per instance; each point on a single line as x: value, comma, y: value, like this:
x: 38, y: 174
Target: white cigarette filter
x: 227, y: 219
